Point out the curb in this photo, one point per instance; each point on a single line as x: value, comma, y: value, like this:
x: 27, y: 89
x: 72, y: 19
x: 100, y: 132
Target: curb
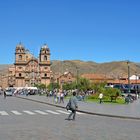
x: 86, y: 112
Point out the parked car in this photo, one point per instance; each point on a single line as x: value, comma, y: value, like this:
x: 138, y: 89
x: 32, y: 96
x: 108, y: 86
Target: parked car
x: 9, y: 92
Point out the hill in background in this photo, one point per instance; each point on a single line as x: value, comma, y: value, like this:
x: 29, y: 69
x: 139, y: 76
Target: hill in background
x: 115, y: 69
x: 4, y: 68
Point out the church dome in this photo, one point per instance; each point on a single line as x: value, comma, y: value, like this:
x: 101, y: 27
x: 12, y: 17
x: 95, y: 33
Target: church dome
x: 20, y: 48
x: 45, y: 48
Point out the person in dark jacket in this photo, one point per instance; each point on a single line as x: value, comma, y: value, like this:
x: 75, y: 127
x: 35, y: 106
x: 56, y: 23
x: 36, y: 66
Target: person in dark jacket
x: 4, y: 94
x: 73, y: 106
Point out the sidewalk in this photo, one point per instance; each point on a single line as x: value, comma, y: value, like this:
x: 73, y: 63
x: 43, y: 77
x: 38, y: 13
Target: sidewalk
x: 128, y: 111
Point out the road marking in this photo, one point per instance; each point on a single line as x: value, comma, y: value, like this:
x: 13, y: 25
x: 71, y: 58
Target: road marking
x: 16, y: 112
x: 64, y: 112
x: 3, y: 113
x: 29, y: 112
x: 53, y: 112
x: 40, y: 112
x: 79, y: 113
x: 33, y: 112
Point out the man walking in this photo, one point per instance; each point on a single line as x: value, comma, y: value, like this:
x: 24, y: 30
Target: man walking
x: 73, y: 106
x: 4, y: 94
x: 101, y: 97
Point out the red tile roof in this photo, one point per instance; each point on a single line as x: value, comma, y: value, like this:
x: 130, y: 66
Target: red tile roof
x: 96, y: 76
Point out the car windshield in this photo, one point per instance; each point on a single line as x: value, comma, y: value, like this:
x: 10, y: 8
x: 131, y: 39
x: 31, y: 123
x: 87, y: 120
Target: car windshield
x: 8, y: 90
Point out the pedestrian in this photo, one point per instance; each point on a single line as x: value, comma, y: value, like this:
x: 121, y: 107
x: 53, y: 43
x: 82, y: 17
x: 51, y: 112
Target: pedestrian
x: 62, y: 97
x: 55, y: 96
x: 4, y: 94
x: 73, y: 106
x: 58, y: 97
x: 101, y: 97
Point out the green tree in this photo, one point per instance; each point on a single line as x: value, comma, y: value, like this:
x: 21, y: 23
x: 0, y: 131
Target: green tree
x: 108, y: 92
x: 69, y: 86
x: 98, y: 87
x: 53, y: 86
x: 83, y: 84
x: 40, y: 86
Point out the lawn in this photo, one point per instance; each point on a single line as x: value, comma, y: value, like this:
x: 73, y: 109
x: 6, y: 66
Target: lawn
x: 92, y: 98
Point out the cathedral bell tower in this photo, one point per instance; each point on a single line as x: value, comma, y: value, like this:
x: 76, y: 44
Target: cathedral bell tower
x: 20, y: 52
x: 20, y: 62
x: 44, y: 55
x: 44, y: 64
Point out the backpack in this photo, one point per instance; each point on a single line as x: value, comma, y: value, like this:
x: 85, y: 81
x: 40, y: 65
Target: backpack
x: 68, y: 106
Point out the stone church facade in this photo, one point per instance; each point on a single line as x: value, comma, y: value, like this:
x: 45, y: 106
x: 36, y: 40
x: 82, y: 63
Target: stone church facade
x: 28, y: 70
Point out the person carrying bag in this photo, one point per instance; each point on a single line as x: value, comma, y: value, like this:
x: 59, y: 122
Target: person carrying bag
x: 72, y: 105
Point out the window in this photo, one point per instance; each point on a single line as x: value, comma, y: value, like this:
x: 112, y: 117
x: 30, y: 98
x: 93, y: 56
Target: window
x: 45, y: 57
x: 45, y: 75
x: 19, y: 74
x: 20, y: 57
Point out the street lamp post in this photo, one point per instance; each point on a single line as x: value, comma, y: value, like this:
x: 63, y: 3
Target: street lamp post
x: 128, y: 65
x: 77, y: 76
x: 136, y: 76
x: 51, y: 80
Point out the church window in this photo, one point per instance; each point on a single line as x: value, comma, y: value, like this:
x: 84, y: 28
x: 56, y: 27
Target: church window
x: 20, y: 57
x: 45, y: 57
x: 19, y: 74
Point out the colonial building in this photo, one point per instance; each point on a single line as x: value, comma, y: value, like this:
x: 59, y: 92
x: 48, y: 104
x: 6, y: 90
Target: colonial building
x: 111, y: 80
x: 28, y: 70
x: 67, y: 77
x: 97, y: 77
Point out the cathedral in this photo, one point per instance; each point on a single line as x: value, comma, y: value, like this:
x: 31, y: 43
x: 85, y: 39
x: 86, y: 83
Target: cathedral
x: 28, y: 70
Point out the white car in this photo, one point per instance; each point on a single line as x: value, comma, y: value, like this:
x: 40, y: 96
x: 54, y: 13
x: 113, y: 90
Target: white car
x: 9, y: 92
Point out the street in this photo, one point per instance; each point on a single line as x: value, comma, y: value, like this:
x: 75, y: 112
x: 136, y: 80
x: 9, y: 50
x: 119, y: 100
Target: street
x: 26, y: 120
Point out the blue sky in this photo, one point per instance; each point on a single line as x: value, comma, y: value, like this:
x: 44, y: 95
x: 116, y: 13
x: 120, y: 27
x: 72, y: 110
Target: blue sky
x: 89, y: 30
